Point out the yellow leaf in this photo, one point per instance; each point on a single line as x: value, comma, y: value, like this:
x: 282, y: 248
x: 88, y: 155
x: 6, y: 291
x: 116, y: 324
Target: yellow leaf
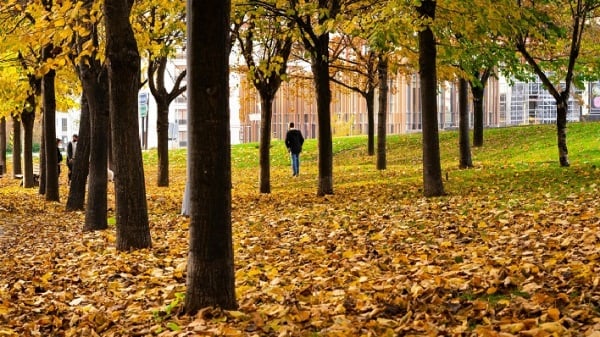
x: 3, y: 310
x: 446, y: 244
x: 237, y: 314
x: 552, y: 327
x: 227, y: 331
x: 302, y: 316
x: 554, y: 314
x: 512, y: 327
x: 59, y: 22
x: 491, y: 290
x: 349, y: 254
x: 7, y: 332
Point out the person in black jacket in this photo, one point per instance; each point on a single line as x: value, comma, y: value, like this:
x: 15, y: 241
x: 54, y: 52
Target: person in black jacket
x: 71, y: 148
x: 293, y: 142
x: 59, y: 157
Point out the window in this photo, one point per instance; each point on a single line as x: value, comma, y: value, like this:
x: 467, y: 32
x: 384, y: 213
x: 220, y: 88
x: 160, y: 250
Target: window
x: 64, y: 124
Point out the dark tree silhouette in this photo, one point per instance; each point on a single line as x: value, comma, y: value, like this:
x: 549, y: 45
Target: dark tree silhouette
x: 123, y: 60
x: 382, y: 73
x: 432, y: 170
x: 210, y: 269
x: 464, y: 142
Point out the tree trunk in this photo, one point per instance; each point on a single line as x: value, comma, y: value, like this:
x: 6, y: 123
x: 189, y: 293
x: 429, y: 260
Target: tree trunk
x: 463, y: 126
x: 28, y: 119
x: 370, y: 100
x: 17, y: 150
x: 156, y: 82
x: 162, y: 132
x: 266, y: 102
x: 76, y: 199
x: 477, y: 92
x: 123, y: 60
x: 210, y: 268
x: 50, y: 144
x: 432, y: 171
x: 382, y: 72
x: 96, y: 82
x: 42, y: 163
x: 320, y: 69
x: 3, y: 145
x: 562, y: 107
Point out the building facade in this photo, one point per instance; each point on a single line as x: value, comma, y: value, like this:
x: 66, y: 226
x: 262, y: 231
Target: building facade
x: 505, y: 104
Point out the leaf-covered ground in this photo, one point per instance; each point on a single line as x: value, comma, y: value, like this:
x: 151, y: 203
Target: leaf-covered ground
x: 512, y: 250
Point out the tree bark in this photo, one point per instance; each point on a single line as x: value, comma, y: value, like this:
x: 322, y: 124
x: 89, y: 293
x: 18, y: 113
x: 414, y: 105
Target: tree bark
x: 477, y: 92
x: 50, y: 144
x: 3, y: 145
x: 562, y: 107
x: 432, y: 171
x: 17, y: 147
x: 210, y: 268
x: 28, y: 119
x: 123, y: 62
x: 382, y: 72
x: 370, y: 100
x: 320, y: 69
x: 276, y: 50
x: 266, y: 102
x: 97, y: 85
x: 76, y: 198
x: 162, y: 132
x: 42, y: 163
x: 463, y: 126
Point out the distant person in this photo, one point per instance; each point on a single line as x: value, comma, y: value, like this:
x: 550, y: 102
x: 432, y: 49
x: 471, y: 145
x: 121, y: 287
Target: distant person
x: 293, y: 142
x: 71, y: 147
x: 59, y: 157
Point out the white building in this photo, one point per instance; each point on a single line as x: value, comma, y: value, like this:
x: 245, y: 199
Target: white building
x: 178, y: 109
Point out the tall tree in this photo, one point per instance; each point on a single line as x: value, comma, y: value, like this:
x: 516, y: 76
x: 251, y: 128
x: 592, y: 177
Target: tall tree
x: 382, y: 71
x: 469, y: 40
x: 17, y: 146
x: 210, y: 267
x: 123, y: 59
x: 357, y: 72
x: 163, y: 97
x: 551, y: 29
x: 477, y: 91
x: 77, y: 189
x: 315, y: 37
x: 315, y: 21
x: 3, y: 136
x: 463, y: 122
x: 266, y: 43
x: 49, y: 107
x: 160, y: 30
x: 91, y: 154
x: 28, y: 120
x: 432, y: 170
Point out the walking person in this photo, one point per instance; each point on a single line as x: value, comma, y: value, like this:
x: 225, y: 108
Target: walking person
x: 59, y: 157
x: 71, y: 147
x: 293, y: 142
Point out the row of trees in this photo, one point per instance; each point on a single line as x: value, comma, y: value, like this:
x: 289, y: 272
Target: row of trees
x: 51, y: 45
x: 98, y: 45
x: 357, y: 44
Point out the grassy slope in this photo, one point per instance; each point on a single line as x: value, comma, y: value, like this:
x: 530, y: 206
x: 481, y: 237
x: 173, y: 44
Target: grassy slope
x: 512, y: 159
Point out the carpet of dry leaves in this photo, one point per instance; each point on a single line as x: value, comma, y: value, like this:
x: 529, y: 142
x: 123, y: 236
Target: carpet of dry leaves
x: 375, y: 259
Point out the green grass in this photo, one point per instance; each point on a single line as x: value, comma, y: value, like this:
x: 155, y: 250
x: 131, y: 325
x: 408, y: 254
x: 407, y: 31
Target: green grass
x: 521, y: 160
